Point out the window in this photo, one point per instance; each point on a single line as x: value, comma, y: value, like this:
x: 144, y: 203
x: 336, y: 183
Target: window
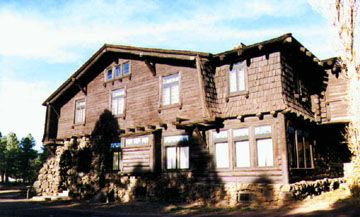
x: 264, y: 145
x: 221, y: 149
x: 116, y: 156
x: 177, y: 152
x: 300, y: 148
x: 79, y: 111
x: 222, y: 155
x: 118, y: 101
x: 118, y: 71
x: 126, y: 68
x: 137, y: 141
x: 109, y: 74
x: 237, y: 79
x: 242, y: 147
x: 170, y: 88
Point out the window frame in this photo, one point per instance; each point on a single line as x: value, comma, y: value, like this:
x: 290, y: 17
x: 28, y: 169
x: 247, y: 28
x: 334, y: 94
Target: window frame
x: 222, y: 140
x: 117, y: 150
x: 111, y: 101
x: 236, y: 139
x: 113, y: 67
x: 311, y: 142
x: 263, y: 137
x: 252, y: 140
x: 243, y: 66
x: 75, y: 111
x: 161, y: 91
x: 177, y: 146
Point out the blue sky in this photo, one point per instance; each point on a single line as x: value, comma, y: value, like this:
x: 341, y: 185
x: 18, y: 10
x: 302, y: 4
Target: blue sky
x: 44, y: 42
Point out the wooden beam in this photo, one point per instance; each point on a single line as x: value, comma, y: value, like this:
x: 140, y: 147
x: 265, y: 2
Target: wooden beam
x: 151, y: 127
x: 181, y: 119
x: 241, y: 118
x: 140, y: 128
x: 163, y: 125
x: 260, y: 115
x: 288, y: 40
x: 151, y: 66
x: 302, y: 49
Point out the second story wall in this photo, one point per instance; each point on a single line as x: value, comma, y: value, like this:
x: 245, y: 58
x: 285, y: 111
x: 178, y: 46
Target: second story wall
x: 142, y: 99
x: 262, y: 90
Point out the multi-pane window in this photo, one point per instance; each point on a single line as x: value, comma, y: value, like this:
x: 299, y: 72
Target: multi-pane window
x: 242, y: 147
x: 221, y: 149
x: 117, y: 71
x: 116, y: 156
x: 79, y: 111
x: 137, y: 141
x: 237, y: 79
x: 264, y: 145
x: 170, y: 89
x: 177, y: 152
x: 300, y: 148
x: 118, y: 101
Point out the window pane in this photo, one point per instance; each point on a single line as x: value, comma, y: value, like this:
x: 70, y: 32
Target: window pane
x: 241, y: 80
x: 118, y: 71
x: 222, y: 155
x: 184, y: 157
x: 174, y: 98
x: 126, y: 68
x: 171, y: 158
x: 242, y: 154
x: 300, y: 146
x: 232, y: 81
x: 265, y: 152
x: 116, y: 160
x: 175, y: 139
x: 118, y: 93
x: 220, y: 135
x: 171, y: 79
x: 166, y: 95
x: 292, y: 148
x: 79, y: 111
x: 263, y: 130
x: 109, y: 74
x: 241, y: 132
x: 308, y: 151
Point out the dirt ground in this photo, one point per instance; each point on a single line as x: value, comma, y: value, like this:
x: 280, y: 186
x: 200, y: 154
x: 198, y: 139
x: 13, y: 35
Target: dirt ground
x: 13, y: 203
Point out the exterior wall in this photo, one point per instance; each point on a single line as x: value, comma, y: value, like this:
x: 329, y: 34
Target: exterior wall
x: 142, y: 100
x: 334, y: 104
x: 296, y: 78
x: 264, y: 88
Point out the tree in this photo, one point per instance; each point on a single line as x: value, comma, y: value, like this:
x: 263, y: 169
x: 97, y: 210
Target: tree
x: 2, y: 158
x: 11, y: 157
x: 27, y: 159
x: 344, y: 14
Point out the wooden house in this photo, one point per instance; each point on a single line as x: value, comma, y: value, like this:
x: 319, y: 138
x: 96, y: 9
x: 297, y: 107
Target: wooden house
x: 268, y: 109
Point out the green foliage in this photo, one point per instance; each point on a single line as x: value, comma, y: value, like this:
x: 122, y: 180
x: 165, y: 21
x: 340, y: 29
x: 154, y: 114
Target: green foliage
x: 19, y: 160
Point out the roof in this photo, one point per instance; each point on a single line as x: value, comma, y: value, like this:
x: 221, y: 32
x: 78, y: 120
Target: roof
x: 184, y: 55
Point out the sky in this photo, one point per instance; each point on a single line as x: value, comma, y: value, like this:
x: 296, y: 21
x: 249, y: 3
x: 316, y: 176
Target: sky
x: 43, y: 42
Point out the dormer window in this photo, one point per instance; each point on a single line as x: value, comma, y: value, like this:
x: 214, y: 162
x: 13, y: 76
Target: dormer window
x: 237, y: 77
x: 109, y: 74
x: 126, y: 68
x: 117, y: 71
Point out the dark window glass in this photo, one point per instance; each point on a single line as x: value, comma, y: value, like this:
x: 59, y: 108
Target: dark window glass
x: 109, y: 74
x: 118, y: 71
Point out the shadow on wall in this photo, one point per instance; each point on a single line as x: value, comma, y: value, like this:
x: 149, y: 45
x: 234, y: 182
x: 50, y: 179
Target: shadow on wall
x: 199, y: 183
x: 83, y: 166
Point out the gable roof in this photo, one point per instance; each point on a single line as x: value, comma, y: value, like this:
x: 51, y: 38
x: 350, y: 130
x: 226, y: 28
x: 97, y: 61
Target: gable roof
x: 183, y: 55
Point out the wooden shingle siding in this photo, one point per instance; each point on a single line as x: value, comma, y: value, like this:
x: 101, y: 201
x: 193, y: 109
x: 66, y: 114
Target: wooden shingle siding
x: 264, y: 88
x: 334, y: 104
x: 142, y: 99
